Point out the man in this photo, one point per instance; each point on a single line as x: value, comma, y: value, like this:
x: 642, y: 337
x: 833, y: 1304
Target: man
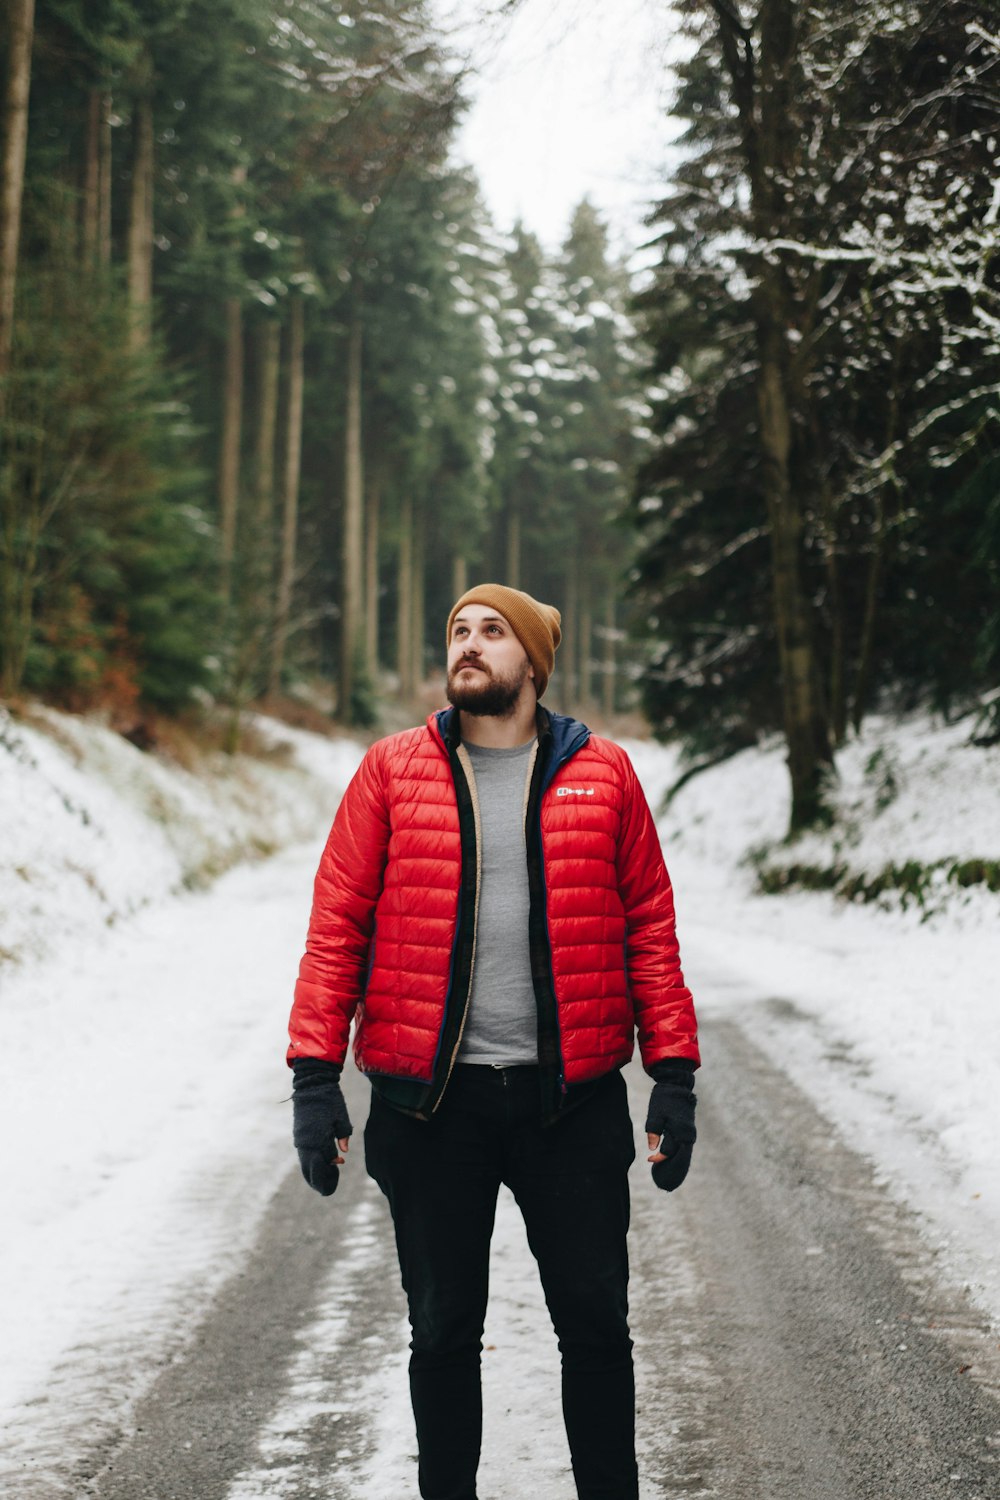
x: 493, y: 911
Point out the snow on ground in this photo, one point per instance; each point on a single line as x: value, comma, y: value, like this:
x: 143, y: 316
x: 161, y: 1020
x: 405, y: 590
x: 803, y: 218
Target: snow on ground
x: 524, y: 1444
x: 141, y: 1061
x: 141, y: 1073
x: 888, y: 1017
x: 92, y: 829
x: 915, y: 790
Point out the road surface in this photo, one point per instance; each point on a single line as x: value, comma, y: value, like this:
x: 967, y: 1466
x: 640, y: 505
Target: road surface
x: 793, y: 1341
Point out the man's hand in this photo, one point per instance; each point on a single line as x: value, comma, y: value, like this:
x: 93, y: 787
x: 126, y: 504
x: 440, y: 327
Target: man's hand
x: 321, y: 1125
x: 670, y: 1128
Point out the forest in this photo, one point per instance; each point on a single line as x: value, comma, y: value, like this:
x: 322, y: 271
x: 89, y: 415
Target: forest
x: 273, y: 387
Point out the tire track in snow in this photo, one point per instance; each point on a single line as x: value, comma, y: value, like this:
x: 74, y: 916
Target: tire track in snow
x: 143, y: 1109
x: 321, y: 1432
x: 199, y: 1426
x: 372, y: 1453
x: 813, y: 1352
x: 781, y: 1305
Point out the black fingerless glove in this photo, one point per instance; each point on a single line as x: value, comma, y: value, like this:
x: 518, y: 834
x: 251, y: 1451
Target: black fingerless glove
x: 671, y: 1115
x: 320, y: 1119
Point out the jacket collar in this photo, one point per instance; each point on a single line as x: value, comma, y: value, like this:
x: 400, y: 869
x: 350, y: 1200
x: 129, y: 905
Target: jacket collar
x: 559, y: 736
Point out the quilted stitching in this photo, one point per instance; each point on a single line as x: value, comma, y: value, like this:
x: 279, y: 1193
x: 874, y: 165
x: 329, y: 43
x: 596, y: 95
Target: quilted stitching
x: 386, y: 906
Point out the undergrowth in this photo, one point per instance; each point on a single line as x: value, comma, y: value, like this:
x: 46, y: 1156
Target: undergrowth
x: 912, y: 883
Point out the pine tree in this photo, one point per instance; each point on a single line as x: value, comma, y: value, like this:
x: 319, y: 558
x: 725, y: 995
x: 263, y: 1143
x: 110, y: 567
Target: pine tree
x: 808, y: 249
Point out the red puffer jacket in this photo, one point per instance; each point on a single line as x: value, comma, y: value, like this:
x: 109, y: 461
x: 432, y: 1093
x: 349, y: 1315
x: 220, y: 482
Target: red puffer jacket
x: 392, y: 933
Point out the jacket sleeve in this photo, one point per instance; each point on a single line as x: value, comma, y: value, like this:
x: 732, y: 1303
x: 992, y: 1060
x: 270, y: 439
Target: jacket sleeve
x: 348, y: 884
x: 664, y: 1008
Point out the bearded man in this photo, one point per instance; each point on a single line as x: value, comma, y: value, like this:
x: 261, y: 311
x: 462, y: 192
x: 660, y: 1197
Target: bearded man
x: 493, y: 912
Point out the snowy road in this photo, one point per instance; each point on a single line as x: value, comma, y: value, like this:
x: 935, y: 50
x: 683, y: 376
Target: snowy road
x: 792, y: 1342
x: 183, y: 1320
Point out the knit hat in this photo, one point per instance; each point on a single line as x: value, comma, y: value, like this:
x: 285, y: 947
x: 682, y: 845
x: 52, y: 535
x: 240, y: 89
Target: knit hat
x: 535, y: 625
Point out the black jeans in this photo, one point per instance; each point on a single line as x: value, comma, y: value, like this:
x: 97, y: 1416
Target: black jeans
x: 570, y: 1180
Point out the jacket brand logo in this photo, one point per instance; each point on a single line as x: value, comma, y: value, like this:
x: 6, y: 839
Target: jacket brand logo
x: 575, y: 791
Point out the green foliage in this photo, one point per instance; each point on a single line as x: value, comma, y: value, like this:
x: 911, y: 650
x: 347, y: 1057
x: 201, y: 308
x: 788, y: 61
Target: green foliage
x: 567, y: 410
x: 886, y: 249
x: 701, y: 575
x: 882, y: 773
x: 910, y: 883
x: 102, y: 562
x: 300, y: 159
x: 425, y: 367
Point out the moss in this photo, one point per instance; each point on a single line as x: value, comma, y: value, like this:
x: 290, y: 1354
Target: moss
x: 909, y: 883
x: 774, y: 879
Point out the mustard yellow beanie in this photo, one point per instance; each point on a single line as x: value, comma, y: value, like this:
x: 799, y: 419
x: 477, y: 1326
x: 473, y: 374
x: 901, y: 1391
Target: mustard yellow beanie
x: 535, y: 625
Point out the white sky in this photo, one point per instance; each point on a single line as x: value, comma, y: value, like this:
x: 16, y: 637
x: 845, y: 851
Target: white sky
x: 570, y: 100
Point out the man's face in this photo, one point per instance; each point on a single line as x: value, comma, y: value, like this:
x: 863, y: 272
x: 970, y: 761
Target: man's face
x: 487, y: 665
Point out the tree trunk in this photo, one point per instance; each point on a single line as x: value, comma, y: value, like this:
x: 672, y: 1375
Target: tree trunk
x: 608, y: 694
x: 417, y: 597
x: 18, y: 583
x: 404, y: 600
x: 139, y: 247
x: 764, y: 93
x: 459, y: 576
x: 90, y: 206
x: 19, y: 540
x: 104, y: 183
x: 230, y: 438
x: 583, y: 681
x: 805, y: 723
x: 513, y: 550
x: 881, y: 533
x: 373, y: 507
x: 258, y: 556
x: 20, y: 32
x: 569, y: 691
x: 269, y: 364
x: 231, y: 434
x: 289, y: 489
x: 837, y: 693
x: 866, y: 650
x: 352, y: 558
x: 95, y: 217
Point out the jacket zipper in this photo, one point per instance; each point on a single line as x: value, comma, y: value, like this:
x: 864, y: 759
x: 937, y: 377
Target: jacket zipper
x: 552, y: 1001
x: 463, y: 757
x: 470, y: 782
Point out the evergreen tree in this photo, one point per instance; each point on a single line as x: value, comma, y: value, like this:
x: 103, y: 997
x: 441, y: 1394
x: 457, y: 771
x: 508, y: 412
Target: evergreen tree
x: 105, y: 597
x: 804, y: 249
x: 603, y: 411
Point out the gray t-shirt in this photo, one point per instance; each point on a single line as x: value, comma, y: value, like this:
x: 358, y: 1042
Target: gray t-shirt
x: 502, y: 1022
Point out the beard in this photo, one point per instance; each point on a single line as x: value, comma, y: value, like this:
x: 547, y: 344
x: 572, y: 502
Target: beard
x: 488, y: 695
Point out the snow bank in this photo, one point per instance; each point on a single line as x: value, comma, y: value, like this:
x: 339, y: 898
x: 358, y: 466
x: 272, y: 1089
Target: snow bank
x: 912, y: 791
x: 92, y: 830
